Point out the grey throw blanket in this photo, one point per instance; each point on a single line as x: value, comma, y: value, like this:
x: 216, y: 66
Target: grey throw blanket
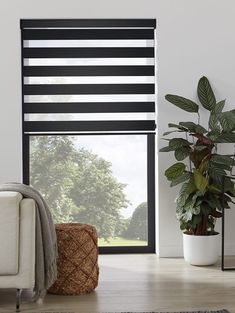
x: 46, y: 242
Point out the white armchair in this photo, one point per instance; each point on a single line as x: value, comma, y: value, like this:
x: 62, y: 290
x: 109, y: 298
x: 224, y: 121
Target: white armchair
x: 17, y: 242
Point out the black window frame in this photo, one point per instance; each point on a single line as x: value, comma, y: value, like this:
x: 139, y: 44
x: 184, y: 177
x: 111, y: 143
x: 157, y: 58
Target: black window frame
x: 146, y: 128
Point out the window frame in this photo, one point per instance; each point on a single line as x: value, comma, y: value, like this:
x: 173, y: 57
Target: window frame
x: 150, y: 248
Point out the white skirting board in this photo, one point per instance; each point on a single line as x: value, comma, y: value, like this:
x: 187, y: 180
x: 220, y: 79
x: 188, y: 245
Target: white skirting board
x: 176, y: 251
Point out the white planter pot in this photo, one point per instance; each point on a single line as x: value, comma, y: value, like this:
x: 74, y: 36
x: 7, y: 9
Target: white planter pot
x: 201, y: 250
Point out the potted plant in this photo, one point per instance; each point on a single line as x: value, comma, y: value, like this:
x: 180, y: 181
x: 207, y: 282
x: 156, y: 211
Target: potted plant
x: 201, y: 174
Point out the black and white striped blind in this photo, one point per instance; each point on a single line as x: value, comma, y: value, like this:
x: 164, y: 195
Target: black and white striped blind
x: 88, y: 75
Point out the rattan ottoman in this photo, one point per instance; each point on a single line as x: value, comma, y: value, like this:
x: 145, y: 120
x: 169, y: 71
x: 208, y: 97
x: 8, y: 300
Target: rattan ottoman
x: 77, y: 261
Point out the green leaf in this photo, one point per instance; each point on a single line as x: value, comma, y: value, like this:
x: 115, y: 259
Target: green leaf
x: 183, y: 103
x: 173, y: 131
x: 183, y: 225
x: 205, y: 208
x: 176, y: 143
x: 221, y: 159
x: 215, y: 115
x: 214, y: 201
x: 205, y: 94
x: 196, y: 219
x: 227, y: 121
x: 182, y: 153
x: 231, y: 193
x: 177, y: 126
x: 214, y: 121
x: 188, y: 214
x: 214, y: 134
x: 218, y: 108
x: 182, y: 196
x: 192, y: 127
x: 191, y: 185
x: 166, y: 149
x: 189, y: 125
x: 214, y: 188
x: 200, y: 148
x: 222, y: 166
x: 228, y: 184
x: 201, y: 181
x: 196, y: 210
x: 175, y: 171
x: 200, y: 129
x: 180, y: 179
x: 200, y: 198
x: 216, y: 173
x: 225, y: 138
x: 190, y: 207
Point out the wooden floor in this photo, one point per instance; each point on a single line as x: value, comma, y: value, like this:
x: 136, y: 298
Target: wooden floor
x: 141, y: 283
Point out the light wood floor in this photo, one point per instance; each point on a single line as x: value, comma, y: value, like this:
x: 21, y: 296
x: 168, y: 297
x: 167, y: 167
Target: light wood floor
x: 141, y: 283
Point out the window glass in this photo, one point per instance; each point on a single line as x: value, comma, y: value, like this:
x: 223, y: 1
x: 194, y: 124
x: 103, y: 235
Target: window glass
x: 95, y: 179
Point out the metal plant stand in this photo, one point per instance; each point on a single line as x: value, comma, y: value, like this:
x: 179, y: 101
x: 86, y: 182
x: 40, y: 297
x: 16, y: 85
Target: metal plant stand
x: 223, y: 267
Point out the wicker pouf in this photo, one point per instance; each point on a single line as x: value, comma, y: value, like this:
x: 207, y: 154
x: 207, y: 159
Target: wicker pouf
x: 77, y: 261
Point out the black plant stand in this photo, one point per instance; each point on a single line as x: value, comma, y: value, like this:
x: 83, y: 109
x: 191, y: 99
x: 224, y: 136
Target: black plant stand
x: 223, y: 267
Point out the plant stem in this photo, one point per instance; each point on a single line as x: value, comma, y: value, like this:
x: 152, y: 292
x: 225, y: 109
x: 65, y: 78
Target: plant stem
x: 190, y: 165
x: 204, y: 224
x: 201, y: 229
x: 233, y: 164
x: 198, y: 121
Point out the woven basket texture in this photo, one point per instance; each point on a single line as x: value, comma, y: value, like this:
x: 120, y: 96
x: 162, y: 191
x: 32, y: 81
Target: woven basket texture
x: 77, y: 262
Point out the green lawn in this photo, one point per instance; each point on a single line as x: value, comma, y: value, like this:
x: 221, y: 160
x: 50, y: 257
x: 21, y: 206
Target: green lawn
x: 121, y: 242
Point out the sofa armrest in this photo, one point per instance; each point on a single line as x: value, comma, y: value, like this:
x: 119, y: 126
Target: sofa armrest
x: 9, y: 232
x: 27, y: 243
x: 25, y: 278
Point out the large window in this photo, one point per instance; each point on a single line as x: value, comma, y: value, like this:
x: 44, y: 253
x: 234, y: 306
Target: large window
x: 88, y: 125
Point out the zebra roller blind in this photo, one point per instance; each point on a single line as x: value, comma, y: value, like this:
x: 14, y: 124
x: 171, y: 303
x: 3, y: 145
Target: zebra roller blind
x: 88, y: 75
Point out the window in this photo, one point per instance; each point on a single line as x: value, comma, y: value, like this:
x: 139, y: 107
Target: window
x: 88, y: 91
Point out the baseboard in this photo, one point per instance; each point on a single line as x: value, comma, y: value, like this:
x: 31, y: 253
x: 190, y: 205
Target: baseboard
x: 176, y: 251
x: 229, y: 249
x: 170, y: 251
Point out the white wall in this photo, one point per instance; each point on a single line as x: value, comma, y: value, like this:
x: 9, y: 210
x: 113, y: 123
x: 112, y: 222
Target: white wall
x: 195, y: 38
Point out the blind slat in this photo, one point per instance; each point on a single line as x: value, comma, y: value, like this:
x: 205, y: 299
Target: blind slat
x: 88, y: 126
x: 98, y: 34
x: 88, y: 52
x: 89, y: 107
x: 139, y: 70
x: 88, y: 23
x: 85, y: 89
